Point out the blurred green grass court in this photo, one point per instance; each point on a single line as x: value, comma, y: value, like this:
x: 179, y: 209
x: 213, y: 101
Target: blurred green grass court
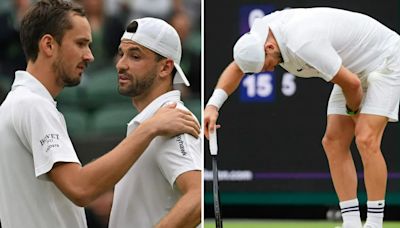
x: 230, y: 223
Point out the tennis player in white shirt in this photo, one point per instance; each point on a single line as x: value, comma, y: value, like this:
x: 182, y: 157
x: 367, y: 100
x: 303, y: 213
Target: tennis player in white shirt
x: 163, y: 188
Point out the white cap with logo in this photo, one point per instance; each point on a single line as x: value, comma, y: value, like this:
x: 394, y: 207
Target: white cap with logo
x: 160, y: 37
x: 248, y: 52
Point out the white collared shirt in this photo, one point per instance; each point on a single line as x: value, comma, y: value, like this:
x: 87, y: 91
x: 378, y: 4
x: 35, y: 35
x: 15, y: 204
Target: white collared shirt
x: 316, y: 42
x: 148, y: 191
x: 33, y: 138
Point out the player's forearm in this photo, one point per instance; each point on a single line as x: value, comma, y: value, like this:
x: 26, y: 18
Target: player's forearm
x: 103, y: 173
x: 351, y: 87
x: 230, y: 78
x: 227, y: 84
x: 186, y: 212
x: 353, y: 98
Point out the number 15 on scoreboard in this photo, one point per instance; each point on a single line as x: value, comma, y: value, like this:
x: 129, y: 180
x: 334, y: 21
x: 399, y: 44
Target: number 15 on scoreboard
x: 262, y: 87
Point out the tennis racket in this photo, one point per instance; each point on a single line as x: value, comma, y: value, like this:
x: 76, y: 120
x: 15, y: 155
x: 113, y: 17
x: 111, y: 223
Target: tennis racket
x: 214, y: 153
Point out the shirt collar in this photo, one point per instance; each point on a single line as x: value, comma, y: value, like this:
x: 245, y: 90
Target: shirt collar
x: 148, y: 112
x: 27, y: 80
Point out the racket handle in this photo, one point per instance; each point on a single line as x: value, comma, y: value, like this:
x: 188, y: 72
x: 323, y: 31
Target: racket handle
x: 213, y: 143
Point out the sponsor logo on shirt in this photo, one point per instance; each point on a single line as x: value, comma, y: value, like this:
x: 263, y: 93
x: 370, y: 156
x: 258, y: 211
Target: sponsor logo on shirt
x: 181, y: 146
x: 50, y: 140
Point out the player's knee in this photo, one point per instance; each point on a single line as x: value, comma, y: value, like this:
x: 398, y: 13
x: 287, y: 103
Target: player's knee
x: 329, y: 143
x: 367, y: 143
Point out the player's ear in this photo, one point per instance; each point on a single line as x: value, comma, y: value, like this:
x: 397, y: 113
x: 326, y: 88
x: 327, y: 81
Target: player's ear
x: 166, y: 68
x: 268, y: 47
x: 47, y: 45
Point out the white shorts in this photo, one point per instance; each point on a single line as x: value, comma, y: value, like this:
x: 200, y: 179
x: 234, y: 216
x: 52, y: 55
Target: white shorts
x: 381, y: 94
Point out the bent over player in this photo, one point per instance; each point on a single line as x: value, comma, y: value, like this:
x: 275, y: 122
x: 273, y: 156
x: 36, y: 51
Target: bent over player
x: 356, y: 53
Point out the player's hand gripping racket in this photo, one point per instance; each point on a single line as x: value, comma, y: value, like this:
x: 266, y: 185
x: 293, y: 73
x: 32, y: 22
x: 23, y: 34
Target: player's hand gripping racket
x: 214, y: 153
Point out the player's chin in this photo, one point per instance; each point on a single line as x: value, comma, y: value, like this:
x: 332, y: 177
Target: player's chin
x: 73, y: 80
x: 125, y: 91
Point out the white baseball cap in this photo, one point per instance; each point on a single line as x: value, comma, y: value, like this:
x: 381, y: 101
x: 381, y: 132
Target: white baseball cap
x: 160, y: 37
x: 248, y: 51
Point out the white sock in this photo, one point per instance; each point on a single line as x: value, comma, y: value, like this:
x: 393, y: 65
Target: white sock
x: 375, y: 214
x: 350, y: 214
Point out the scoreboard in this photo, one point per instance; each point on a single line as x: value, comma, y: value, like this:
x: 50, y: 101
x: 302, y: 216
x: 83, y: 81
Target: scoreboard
x: 270, y: 149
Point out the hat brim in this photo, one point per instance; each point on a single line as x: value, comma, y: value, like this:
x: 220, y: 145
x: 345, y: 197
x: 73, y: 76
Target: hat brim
x: 180, y: 76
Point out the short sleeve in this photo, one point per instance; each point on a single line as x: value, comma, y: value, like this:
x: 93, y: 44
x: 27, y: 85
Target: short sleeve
x: 179, y: 155
x: 42, y: 129
x: 322, y: 56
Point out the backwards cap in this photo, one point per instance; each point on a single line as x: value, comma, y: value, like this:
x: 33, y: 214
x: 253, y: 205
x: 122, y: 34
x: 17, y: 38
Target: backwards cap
x: 160, y: 37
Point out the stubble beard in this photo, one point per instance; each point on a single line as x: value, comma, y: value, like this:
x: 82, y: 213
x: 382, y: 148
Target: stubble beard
x: 137, y: 87
x: 63, y: 77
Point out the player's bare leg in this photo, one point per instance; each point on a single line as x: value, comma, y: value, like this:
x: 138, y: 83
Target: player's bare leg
x: 369, y: 132
x: 337, y: 140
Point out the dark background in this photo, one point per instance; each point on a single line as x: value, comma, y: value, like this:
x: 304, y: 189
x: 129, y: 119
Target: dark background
x: 279, y: 142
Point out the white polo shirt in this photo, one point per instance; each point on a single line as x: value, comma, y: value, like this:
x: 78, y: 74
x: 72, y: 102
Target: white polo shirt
x: 315, y: 42
x: 148, y: 191
x: 33, y: 137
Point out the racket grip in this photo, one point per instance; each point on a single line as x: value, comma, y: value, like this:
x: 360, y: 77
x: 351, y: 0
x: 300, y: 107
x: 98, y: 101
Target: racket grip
x: 213, y: 143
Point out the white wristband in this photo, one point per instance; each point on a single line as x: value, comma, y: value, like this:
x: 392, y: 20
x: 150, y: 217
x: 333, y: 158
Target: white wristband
x: 218, y: 98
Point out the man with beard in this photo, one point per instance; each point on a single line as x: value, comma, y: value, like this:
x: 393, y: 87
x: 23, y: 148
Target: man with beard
x: 356, y: 53
x: 43, y: 184
x: 163, y: 188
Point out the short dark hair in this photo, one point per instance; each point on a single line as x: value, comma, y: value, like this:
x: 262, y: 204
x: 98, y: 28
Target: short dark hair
x: 46, y: 17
